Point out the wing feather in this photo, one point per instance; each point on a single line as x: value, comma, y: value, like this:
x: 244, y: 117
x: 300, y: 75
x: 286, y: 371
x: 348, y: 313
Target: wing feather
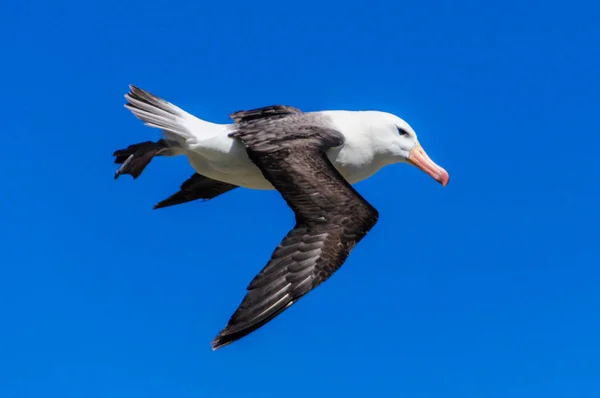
x: 194, y: 188
x: 331, y: 218
x: 272, y: 111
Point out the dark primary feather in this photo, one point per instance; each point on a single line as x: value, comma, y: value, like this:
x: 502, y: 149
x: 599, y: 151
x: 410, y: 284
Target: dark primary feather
x: 331, y: 218
x: 194, y: 188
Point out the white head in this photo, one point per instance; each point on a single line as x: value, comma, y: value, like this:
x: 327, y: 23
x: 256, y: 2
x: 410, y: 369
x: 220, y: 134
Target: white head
x: 395, y: 139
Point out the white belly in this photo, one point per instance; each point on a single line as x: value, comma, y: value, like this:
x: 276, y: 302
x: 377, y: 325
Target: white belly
x: 225, y: 159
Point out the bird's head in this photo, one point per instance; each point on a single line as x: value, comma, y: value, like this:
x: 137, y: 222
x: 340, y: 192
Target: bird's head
x: 401, y: 144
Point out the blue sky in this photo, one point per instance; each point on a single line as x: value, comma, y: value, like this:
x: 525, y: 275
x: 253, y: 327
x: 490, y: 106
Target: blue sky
x: 485, y: 288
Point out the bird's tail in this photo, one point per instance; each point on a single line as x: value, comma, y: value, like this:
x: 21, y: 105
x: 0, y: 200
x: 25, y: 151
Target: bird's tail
x: 178, y: 126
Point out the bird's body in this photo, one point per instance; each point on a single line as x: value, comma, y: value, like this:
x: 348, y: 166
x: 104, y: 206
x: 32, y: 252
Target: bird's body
x: 212, y: 152
x: 311, y: 158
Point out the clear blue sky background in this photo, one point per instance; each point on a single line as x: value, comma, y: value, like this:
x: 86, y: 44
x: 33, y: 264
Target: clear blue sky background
x: 485, y: 288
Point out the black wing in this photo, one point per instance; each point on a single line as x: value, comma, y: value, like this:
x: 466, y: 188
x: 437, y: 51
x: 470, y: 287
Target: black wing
x: 194, y: 188
x: 331, y: 218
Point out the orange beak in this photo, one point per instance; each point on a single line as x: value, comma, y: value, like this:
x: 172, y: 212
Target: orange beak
x: 419, y: 158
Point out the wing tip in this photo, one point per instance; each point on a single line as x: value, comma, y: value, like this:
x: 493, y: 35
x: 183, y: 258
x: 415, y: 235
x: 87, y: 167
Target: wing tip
x: 221, y: 341
x: 232, y: 334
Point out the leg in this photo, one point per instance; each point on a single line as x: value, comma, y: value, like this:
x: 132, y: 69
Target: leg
x: 136, y: 157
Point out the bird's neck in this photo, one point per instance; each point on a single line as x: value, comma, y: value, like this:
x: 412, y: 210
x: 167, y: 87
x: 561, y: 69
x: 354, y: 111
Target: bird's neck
x: 362, y: 154
x: 362, y: 141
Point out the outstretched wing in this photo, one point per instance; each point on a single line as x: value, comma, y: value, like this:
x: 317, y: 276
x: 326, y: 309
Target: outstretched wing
x: 331, y: 218
x: 194, y: 188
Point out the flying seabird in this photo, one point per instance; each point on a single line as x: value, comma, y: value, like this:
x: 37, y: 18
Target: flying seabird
x: 311, y: 158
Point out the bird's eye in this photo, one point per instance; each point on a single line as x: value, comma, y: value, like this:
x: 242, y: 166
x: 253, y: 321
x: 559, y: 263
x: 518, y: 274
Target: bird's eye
x: 401, y: 131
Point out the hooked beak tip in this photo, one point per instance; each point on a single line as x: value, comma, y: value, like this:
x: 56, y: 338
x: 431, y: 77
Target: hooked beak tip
x: 418, y: 157
x: 444, y: 178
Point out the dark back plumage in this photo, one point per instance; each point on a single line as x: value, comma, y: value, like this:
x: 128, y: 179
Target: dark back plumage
x: 265, y: 112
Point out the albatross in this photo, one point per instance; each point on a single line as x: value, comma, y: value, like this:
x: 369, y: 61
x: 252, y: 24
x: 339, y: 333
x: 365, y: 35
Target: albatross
x: 311, y: 158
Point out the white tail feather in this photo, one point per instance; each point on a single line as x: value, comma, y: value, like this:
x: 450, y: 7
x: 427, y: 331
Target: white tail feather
x: 177, y: 125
